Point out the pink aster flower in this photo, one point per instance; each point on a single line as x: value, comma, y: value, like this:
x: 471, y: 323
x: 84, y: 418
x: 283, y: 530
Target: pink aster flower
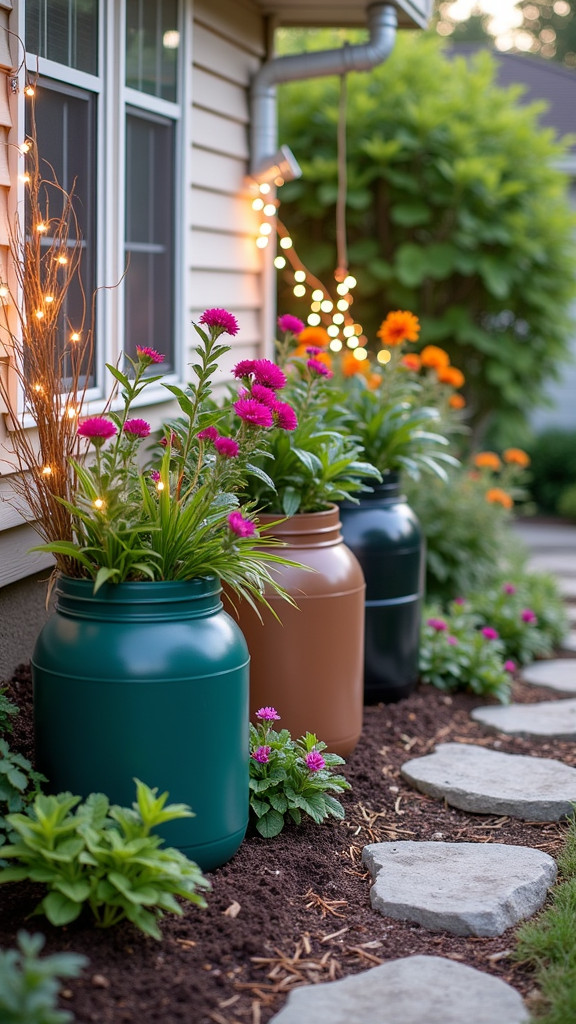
x: 527, y: 615
x: 269, y: 374
x: 208, y: 434
x: 265, y: 395
x: 262, y: 754
x: 251, y: 411
x: 459, y: 600
x: 136, y: 428
x: 240, y: 526
x: 245, y: 368
x: 287, y: 322
x: 221, y: 320
x: 154, y: 475
x: 97, y: 429
x: 452, y: 641
x: 508, y: 588
x: 148, y: 355
x: 227, y: 447
x: 313, y: 350
x: 314, y: 761
x: 509, y: 666
x: 320, y: 368
x: 285, y: 416
x: 438, y: 624
x: 490, y: 633
x: 268, y: 714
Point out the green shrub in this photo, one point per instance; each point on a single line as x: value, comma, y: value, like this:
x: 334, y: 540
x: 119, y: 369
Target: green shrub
x: 528, y: 611
x: 7, y: 710
x: 104, y: 858
x: 456, y: 653
x: 29, y: 985
x: 553, y: 467
x: 567, y: 502
x: 290, y: 777
x: 19, y: 784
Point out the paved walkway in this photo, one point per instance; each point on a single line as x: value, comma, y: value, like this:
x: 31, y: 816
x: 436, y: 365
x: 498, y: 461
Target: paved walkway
x: 467, y: 888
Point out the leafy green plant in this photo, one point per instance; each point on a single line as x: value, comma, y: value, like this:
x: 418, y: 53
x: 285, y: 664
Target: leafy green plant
x: 7, y: 710
x: 19, y: 784
x: 567, y: 502
x: 456, y: 653
x: 553, y: 466
x: 103, y: 857
x: 528, y: 612
x: 29, y: 984
x: 289, y: 777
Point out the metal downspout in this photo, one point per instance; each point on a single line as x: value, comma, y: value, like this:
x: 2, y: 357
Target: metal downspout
x: 382, y: 24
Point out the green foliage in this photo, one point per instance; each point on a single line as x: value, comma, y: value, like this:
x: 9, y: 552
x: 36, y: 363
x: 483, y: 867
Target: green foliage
x: 456, y: 655
x: 29, y: 984
x: 553, y: 466
x: 547, y: 944
x: 284, y: 786
x: 103, y: 857
x: 528, y: 611
x: 7, y: 710
x: 567, y: 502
x: 455, y: 211
x: 19, y: 784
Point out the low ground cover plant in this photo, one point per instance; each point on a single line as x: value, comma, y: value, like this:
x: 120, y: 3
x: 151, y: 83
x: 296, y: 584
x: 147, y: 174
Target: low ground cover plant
x: 527, y: 611
x: 29, y: 984
x: 103, y: 857
x: 456, y: 653
x: 289, y: 778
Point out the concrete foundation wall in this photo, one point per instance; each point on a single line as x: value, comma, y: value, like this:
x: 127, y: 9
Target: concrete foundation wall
x: 22, y: 614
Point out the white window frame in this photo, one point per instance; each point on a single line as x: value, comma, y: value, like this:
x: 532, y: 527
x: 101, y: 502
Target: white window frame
x: 113, y: 99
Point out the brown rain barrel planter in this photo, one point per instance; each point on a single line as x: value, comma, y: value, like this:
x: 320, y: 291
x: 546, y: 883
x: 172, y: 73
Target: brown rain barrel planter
x: 310, y: 664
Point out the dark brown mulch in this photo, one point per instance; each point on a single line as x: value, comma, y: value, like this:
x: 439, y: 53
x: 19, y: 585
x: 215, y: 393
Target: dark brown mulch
x: 295, y: 909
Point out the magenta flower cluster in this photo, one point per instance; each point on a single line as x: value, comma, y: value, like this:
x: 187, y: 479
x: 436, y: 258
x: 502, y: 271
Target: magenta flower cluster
x: 97, y: 429
x: 437, y: 624
x: 287, y: 322
x: 136, y: 429
x: 227, y: 447
x: 314, y: 761
x: 262, y: 754
x: 240, y: 526
x: 220, y: 319
x: 268, y: 714
x: 258, y: 404
x: 528, y: 616
x: 490, y: 633
x: 149, y: 355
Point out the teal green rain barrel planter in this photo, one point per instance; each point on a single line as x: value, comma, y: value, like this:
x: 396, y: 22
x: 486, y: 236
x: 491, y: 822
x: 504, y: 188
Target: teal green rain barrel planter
x: 150, y: 681
x: 385, y: 535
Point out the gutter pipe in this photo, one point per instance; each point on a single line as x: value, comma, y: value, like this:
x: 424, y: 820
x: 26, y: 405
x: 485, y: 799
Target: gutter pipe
x: 382, y: 24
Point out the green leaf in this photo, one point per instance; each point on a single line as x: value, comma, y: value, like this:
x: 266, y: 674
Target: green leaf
x: 270, y: 824
x: 59, y: 909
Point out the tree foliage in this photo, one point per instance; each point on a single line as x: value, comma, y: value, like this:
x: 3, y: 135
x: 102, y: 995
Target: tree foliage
x: 455, y: 211
x: 547, y: 28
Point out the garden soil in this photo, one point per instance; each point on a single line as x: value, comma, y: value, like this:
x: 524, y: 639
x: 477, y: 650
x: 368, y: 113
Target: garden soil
x: 294, y: 910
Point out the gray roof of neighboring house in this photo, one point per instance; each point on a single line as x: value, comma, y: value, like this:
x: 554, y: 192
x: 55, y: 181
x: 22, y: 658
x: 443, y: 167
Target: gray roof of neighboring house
x: 542, y: 79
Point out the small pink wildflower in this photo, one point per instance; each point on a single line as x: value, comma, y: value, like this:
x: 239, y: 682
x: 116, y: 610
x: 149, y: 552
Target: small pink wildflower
x: 208, y: 434
x: 97, y: 429
x: 287, y: 322
x: 529, y: 616
x: 285, y: 416
x: 509, y: 666
x: 137, y: 428
x: 269, y: 374
x: 268, y: 714
x: 154, y: 475
x: 262, y: 754
x: 459, y: 600
x: 508, y: 588
x: 438, y: 624
x: 490, y: 633
x: 149, y: 355
x: 227, y: 447
x: 220, y: 319
x: 240, y: 526
x: 314, y: 761
x: 265, y: 395
x: 252, y: 411
x: 319, y: 368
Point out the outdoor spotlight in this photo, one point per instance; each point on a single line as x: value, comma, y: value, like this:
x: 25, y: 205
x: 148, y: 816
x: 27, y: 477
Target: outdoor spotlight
x: 277, y: 169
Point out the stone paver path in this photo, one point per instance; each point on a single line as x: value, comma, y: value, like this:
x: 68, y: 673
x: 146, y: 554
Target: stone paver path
x: 463, y: 888
x: 567, y: 586
x: 569, y: 641
x: 558, y: 674
x: 489, y: 782
x: 414, y: 990
x: 547, y: 719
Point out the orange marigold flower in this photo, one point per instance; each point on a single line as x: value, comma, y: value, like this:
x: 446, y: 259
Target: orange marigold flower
x: 314, y: 336
x: 516, y: 456
x: 456, y: 401
x: 411, y: 361
x: 399, y: 326
x: 496, y: 496
x: 350, y: 366
x: 374, y: 380
x: 487, y: 460
x: 451, y: 375
x: 434, y: 357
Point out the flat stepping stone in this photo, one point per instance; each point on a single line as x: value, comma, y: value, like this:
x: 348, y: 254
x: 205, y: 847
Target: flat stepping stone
x: 567, y: 586
x: 569, y: 641
x: 413, y: 990
x: 557, y: 674
x: 489, y: 782
x: 571, y: 612
x: 549, y: 719
x: 561, y: 563
x: 463, y: 888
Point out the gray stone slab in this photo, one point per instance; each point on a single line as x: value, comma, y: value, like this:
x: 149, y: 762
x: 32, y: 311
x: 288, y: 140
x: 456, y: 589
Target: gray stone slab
x: 567, y: 586
x: 558, y: 674
x: 489, y: 782
x: 569, y: 641
x: 547, y: 719
x: 561, y: 563
x: 571, y: 611
x: 463, y: 888
x: 546, y: 536
x: 413, y: 990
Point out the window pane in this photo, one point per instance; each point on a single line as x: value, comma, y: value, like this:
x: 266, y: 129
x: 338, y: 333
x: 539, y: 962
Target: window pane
x: 149, y: 282
x: 65, y: 129
x: 152, y: 41
x: 65, y: 31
